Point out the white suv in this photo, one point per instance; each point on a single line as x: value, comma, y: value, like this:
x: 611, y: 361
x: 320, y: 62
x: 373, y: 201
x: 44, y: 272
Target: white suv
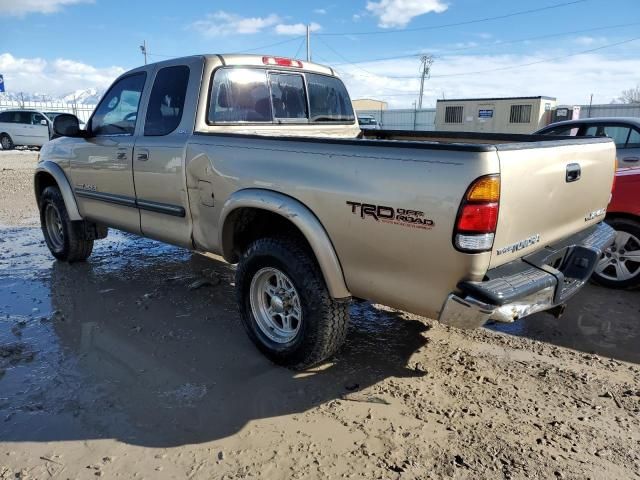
x: 23, y: 127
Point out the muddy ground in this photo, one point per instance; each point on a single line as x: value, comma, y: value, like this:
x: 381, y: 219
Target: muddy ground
x: 128, y: 366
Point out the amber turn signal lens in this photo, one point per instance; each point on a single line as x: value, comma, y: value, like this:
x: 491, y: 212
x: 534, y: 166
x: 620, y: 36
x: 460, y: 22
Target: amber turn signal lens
x: 485, y: 189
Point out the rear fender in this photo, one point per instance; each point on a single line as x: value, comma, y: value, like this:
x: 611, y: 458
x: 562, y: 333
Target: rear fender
x: 302, y: 218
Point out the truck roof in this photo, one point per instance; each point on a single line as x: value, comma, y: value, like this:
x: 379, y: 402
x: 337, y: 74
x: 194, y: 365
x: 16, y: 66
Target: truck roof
x: 241, y: 59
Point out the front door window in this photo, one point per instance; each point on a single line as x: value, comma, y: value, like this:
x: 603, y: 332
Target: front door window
x: 118, y: 111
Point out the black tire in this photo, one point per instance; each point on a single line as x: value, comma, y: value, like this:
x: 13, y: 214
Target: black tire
x: 605, y: 278
x: 69, y: 244
x: 6, y: 142
x: 323, y: 327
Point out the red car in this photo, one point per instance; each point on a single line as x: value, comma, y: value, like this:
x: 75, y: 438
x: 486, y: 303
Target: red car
x: 620, y: 265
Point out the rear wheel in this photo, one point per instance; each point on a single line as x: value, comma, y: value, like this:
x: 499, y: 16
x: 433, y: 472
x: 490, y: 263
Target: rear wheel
x: 6, y: 142
x: 285, y: 306
x: 619, y: 266
x: 64, y: 238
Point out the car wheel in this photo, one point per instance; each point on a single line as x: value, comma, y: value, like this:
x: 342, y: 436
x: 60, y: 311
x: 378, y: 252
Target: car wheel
x: 6, y: 142
x: 63, y: 237
x: 285, y: 305
x: 619, y: 266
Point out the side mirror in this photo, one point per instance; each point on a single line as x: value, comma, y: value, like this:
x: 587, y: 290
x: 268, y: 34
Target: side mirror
x: 44, y: 122
x: 66, y: 125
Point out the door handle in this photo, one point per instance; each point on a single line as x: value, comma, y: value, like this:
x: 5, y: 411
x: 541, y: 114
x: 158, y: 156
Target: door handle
x: 631, y: 159
x: 143, y: 156
x: 573, y: 172
x: 121, y: 156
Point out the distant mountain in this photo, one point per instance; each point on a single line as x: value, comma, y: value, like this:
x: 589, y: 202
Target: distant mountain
x: 89, y: 96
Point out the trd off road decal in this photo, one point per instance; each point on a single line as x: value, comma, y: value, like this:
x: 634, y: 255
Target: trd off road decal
x: 395, y: 216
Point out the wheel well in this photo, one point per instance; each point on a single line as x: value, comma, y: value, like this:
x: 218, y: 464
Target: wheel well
x: 43, y: 180
x: 622, y: 215
x: 245, y: 225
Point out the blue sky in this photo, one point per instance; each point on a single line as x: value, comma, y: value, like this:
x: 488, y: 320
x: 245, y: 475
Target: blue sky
x: 55, y: 46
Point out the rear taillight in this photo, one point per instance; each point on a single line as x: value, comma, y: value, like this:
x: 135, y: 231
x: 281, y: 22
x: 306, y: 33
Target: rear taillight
x: 478, y: 215
x: 281, y: 62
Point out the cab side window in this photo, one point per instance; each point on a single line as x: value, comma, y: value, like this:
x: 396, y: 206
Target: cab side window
x: 166, y: 102
x: 5, y: 117
x: 617, y: 133
x: 634, y: 139
x: 118, y: 111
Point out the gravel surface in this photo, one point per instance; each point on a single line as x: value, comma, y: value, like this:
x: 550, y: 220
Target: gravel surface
x: 17, y: 203
x: 135, y: 365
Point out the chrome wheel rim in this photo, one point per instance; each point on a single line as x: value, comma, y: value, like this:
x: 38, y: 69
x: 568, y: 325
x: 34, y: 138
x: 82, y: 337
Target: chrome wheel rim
x: 53, y: 223
x: 275, y: 305
x: 5, y: 143
x: 621, y: 261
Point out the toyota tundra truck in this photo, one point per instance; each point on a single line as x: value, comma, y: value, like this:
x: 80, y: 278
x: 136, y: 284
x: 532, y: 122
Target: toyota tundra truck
x: 260, y: 159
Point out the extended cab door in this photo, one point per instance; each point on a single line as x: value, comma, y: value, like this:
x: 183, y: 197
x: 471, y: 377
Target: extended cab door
x: 101, y: 169
x: 159, y: 154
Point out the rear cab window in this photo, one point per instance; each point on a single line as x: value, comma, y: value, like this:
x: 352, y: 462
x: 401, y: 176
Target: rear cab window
x: 258, y: 95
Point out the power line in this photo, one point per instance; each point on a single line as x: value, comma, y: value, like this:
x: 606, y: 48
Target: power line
x: 302, y: 42
x: 456, y: 24
x: 551, y: 59
x: 271, y: 44
x: 489, y: 45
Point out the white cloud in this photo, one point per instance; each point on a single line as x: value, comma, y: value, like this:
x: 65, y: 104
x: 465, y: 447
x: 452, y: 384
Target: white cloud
x: 23, y: 7
x: 320, y: 11
x: 296, y: 28
x: 587, y: 41
x: 223, y: 23
x: 57, y: 77
x: 398, y: 13
x: 571, y: 80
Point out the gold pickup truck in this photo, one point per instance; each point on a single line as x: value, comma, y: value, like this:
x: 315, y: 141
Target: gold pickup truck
x: 260, y: 159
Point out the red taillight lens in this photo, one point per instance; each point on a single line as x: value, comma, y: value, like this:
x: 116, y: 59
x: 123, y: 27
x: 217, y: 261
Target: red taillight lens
x: 478, y: 218
x: 281, y: 62
x: 478, y: 215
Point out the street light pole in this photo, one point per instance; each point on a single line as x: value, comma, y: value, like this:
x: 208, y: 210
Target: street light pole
x: 308, y: 43
x: 426, y: 61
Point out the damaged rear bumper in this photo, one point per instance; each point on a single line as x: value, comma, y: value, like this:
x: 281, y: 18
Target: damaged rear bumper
x: 541, y: 281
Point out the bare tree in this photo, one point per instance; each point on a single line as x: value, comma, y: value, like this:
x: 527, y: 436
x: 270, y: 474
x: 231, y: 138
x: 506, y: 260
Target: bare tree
x: 630, y: 96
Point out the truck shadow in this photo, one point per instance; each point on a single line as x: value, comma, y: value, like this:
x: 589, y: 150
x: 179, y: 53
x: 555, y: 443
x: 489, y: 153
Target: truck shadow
x: 143, y: 344
x: 597, y: 320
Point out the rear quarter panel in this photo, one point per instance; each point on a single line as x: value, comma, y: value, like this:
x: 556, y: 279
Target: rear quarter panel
x: 394, y: 264
x: 626, y: 194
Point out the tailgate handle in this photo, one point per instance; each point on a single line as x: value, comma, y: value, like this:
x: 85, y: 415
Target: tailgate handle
x: 573, y: 172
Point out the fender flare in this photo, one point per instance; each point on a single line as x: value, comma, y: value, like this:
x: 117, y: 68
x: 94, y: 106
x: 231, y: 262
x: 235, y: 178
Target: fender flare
x: 302, y: 218
x: 58, y: 175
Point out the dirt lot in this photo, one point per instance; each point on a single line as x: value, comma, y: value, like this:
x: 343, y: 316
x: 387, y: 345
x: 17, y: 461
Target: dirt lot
x: 128, y: 367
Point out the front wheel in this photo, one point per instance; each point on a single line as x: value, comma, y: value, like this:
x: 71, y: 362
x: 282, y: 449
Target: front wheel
x: 285, y: 306
x: 619, y: 266
x: 63, y: 237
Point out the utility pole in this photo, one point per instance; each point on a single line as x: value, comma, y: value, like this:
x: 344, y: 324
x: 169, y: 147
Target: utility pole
x: 143, y: 49
x: 426, y: 61
x: 308, y: 43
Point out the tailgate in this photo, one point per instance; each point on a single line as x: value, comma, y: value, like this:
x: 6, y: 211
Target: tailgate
x: 550, y: 191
